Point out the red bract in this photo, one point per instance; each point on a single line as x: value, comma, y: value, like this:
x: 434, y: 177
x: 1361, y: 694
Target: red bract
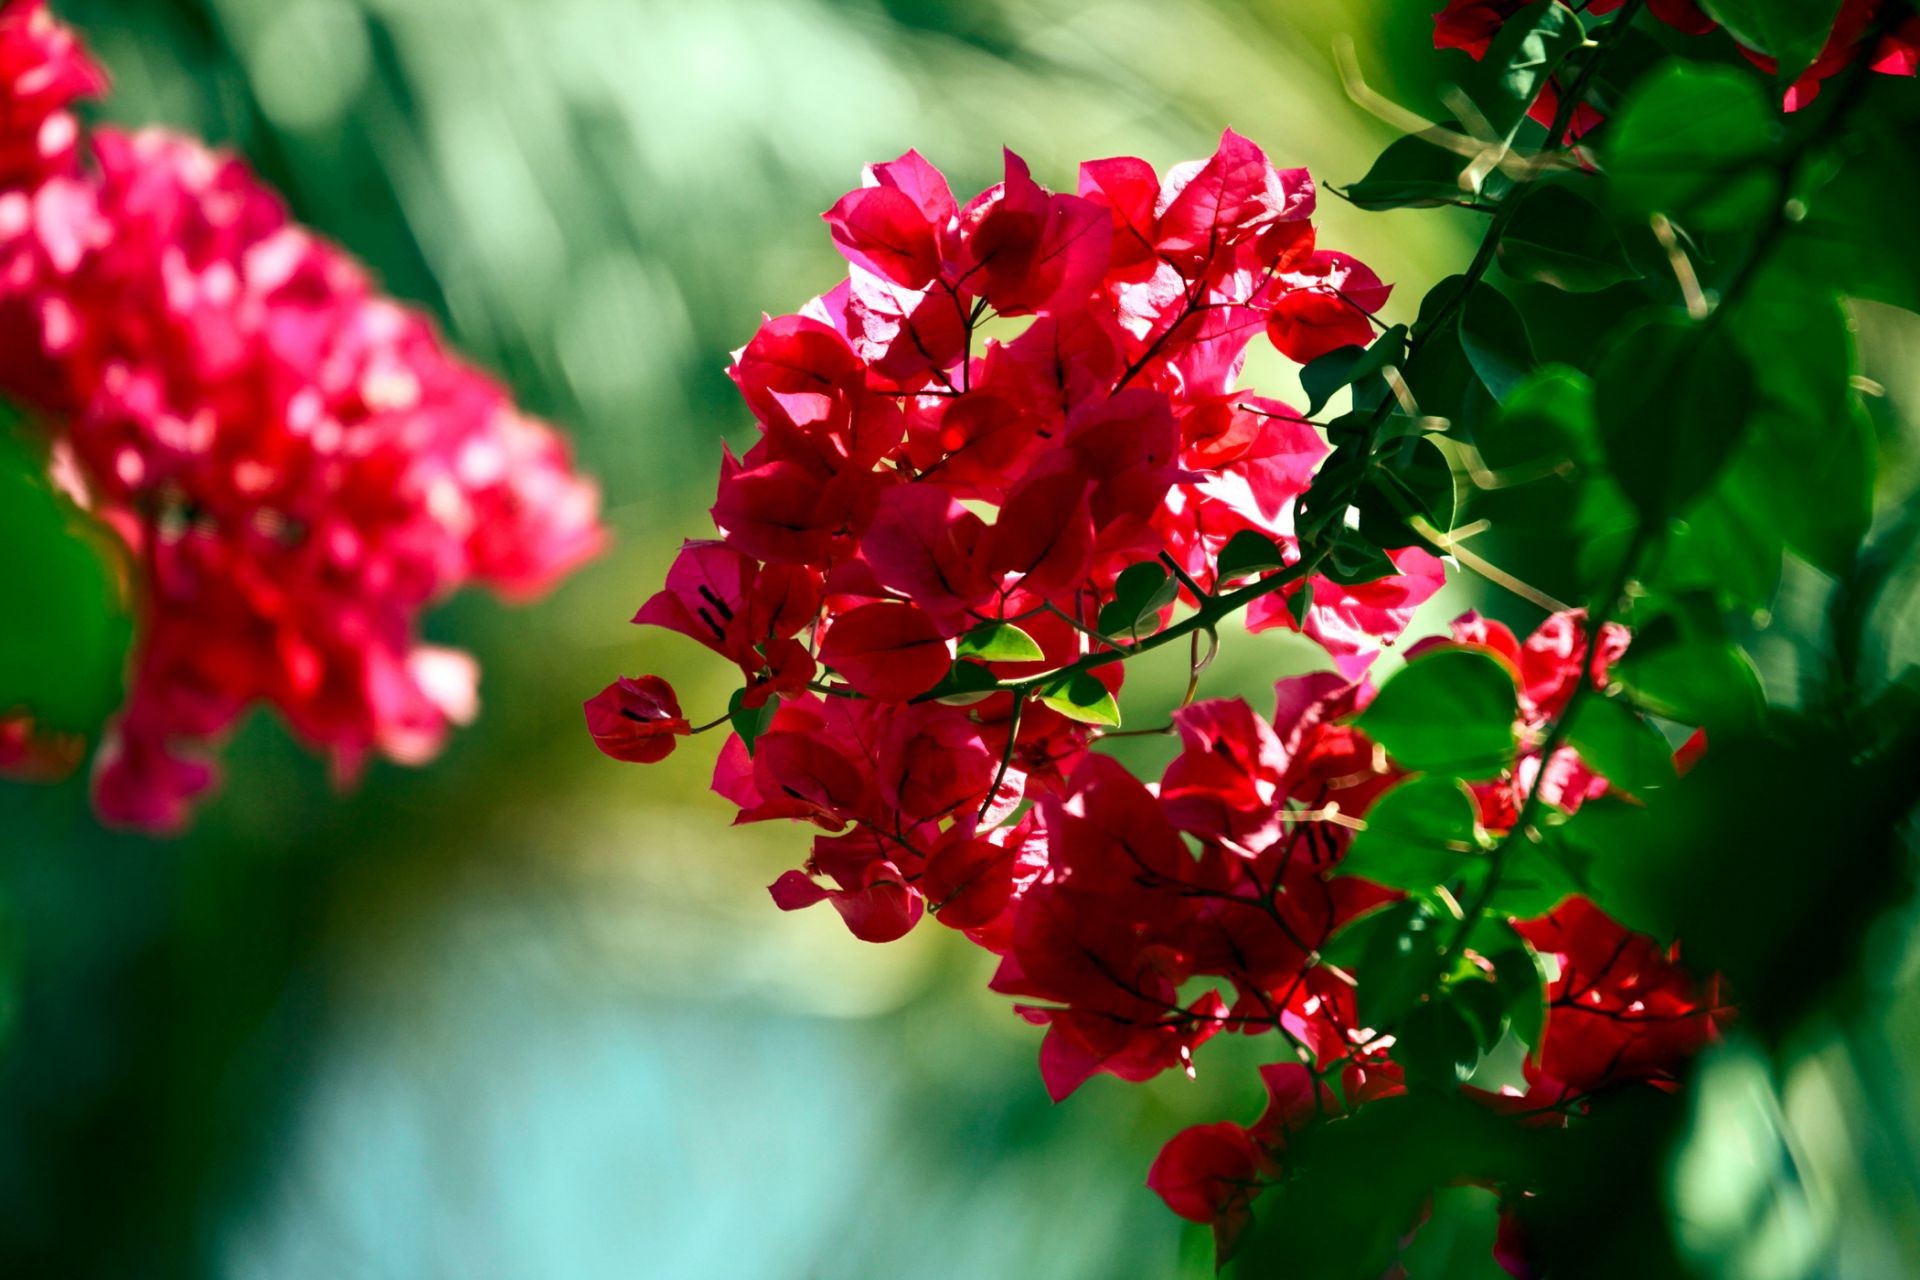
x: 1622, y: 1009
x: 635, y: 720
x: 297, y: 463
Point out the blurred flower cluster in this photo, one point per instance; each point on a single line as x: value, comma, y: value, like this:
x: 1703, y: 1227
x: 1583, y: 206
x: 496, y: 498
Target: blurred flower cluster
x: 296, y: 464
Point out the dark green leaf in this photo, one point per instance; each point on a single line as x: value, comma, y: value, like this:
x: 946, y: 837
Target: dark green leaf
x: 1450, y: 711
x: 1355, y: 367
x: 1411, y: 173
x: 1808, y: 435
x: 1249, y: 552
x: 1081, y: 697
x: 1140, y: 592
x: 1521, y: 59
x: 1688, y: 143
x: 1355, y: 559
x: 1519, y: 974
x: 1672, y: 399
x: 750, y: 722
x: 999, y: 642
x: 1411, y: 479
x: 1494, y: 338
x: 1437, y: 1044
x: 1560, y: 238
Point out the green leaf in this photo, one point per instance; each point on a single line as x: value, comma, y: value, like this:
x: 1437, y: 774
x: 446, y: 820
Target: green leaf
x: 965, y: 684
x: 1409, y: 479
x: 1355, y: 559
x: 1450, y: 711
x: 1791, y: 31
x: 1494, y: 338
x: 1672, y: 398
x: 750, y: 722
x: 1620, y: 746
x: 1692, y: 679
x: 1561, y: 238
x: 1519, y: 974
x: 1411, y: 173
x: 1521, y: 59
x: 1394, y: 957
x: 999, y: 642
x: 1456, y: 1241
x: 1808, y: 434
x: 1437, y: 1043
x: 63, y: 646
x: 1139, y: 593
x: 1687, y: 143
x: 1857, y: 237
x: 1536, y: 878
x: 1420, y: 835
x: 1081, y: 697
x: 1248, y: 552
x: 1322, y: 377
x: 1547, y: 424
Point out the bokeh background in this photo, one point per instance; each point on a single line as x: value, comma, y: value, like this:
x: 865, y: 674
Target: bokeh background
x: 529, y: 1013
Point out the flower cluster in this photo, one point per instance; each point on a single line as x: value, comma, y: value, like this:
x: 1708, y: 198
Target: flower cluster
x: 1620, y: 1009
x: 1471, y: 25
x: 935, y: 560
x: 297, y: 465
x: 927, y: 515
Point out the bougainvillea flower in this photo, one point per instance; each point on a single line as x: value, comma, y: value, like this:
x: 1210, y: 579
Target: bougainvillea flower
x: 297, y: 463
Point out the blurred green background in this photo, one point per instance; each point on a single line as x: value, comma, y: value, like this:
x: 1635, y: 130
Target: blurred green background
x: 529, y: 1013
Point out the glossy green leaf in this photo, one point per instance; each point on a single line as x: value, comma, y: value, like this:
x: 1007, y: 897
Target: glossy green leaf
x: 1673, y: 397
x: 1521, y: 59
x: 1692, y: 680
x: 1081, y: 697
x: 1249, y: 552
x: 1450, y: 711
x: 1139, y: 594
x: 999, y: 642
x: 750, y: 722
x: 1561, y: 238
x: 1394, y: 956
x: 1325, y: 376
x: 1420, y: 835
x: 1411, y: 173
x: 1494, y: 338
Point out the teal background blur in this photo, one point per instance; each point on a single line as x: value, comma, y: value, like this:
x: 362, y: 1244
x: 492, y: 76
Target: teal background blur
x: 529, y: 1013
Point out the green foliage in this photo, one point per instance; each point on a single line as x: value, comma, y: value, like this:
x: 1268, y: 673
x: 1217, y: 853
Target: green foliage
x: 1139, y: 594
x: 63, y: 652
x: 1450, y: 712
x: 998, y: 642
x: 1420, y: 834
x: 1687, y: 143
x: 1081, y: 697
